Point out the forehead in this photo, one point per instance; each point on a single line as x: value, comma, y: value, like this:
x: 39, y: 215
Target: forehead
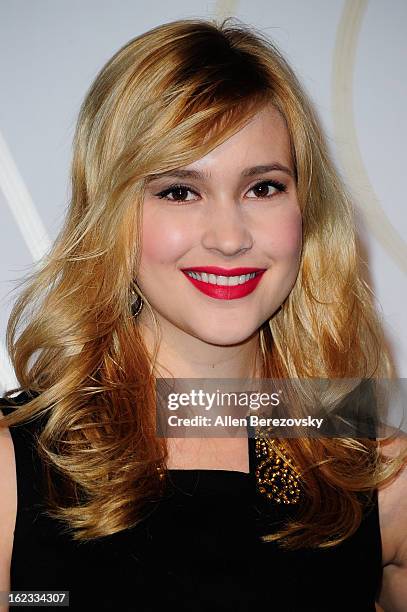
x: 264, y: 139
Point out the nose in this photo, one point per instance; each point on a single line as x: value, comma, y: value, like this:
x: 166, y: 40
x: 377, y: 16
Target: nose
x: 225, y: 230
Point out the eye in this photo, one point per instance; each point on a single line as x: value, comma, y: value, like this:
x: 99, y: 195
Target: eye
x: 263, y: 190
x: 180, y: 193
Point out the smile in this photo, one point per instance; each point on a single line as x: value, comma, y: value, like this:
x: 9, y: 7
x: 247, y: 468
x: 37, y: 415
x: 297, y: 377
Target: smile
x: 224, y: 287
x: 225, y: 281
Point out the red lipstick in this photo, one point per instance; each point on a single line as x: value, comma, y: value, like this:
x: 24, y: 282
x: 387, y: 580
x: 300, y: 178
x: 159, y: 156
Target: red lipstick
x: 223, y: 271
x: 225, y: 292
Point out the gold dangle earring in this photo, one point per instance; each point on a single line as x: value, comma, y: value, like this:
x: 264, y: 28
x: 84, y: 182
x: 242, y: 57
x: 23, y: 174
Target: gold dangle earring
x: 137, y: 305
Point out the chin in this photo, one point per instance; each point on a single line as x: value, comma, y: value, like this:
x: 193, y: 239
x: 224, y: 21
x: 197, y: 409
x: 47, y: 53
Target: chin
x: 224, y: 337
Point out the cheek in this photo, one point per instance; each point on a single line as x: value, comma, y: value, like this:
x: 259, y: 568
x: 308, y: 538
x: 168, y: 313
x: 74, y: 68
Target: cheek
x: 284, y: 235
x: 164, y: 240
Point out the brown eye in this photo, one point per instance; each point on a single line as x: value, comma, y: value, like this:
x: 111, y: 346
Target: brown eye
x: 179, y: 193
x: 267, y: 189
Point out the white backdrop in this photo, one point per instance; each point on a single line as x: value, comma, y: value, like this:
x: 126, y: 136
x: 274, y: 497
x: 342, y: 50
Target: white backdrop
x: 349, y: 55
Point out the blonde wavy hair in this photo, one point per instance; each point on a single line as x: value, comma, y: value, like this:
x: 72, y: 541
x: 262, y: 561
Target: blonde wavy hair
x: 162, y: 101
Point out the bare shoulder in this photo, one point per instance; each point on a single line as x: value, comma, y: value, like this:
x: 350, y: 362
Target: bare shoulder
x: 8, y: 504
x: 392, y: 501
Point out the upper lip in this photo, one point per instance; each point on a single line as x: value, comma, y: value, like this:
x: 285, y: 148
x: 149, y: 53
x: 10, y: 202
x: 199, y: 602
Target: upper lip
x: 223, y: 271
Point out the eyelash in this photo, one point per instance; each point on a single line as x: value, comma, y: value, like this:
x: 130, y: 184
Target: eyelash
x: 281, y: 188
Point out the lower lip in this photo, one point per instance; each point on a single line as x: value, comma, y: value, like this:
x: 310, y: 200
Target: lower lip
x: 227, y: 293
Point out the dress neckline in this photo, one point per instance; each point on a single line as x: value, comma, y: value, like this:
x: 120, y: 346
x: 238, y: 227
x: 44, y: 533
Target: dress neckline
x: 251, y: 452
x: 200, y: 470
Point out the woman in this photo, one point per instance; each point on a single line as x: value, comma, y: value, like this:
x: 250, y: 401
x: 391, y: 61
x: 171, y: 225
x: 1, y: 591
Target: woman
x: 196, y: 148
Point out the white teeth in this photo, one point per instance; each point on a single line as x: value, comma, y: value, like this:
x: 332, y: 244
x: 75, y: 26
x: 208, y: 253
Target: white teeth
x: 225, y: 281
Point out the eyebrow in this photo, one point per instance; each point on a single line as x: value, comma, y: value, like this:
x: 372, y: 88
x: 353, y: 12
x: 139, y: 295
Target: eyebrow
x: 196, y: 174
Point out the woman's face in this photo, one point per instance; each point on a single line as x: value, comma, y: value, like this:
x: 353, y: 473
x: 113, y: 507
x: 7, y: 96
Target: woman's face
x: 236, y: 207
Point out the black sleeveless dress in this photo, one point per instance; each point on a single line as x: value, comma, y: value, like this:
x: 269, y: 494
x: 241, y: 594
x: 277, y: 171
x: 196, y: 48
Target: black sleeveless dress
x: 199, y: 550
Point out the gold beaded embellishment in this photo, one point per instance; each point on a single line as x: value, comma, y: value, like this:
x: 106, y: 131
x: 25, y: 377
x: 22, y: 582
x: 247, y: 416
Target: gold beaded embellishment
x: 276, y: 478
